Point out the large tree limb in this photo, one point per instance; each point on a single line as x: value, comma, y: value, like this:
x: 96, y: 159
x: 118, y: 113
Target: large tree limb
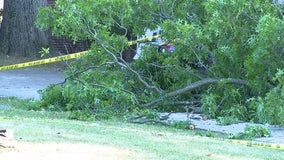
x: 121, y: 62
x: 196, y: 85
x: 184, y: 103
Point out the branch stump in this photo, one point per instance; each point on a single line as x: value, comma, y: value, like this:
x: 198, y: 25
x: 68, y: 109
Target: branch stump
x: 7, y: 138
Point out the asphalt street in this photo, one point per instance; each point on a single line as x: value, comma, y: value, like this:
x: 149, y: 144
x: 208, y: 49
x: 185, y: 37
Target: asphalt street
x: 25, y: 83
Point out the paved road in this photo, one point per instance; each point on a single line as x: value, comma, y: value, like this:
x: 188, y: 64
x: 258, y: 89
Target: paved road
x: 25, y: 83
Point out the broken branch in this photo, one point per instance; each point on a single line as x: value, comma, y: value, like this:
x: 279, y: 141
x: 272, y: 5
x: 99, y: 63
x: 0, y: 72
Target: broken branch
x: 196, y: 85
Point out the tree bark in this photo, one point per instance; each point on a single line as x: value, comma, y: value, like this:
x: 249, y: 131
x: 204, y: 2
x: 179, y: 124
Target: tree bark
x: 198, y: 84
x: 18, y: 34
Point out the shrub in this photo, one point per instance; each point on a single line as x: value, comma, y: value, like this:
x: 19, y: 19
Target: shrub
x: 270, y: 109
x: 179, y: 124
x: 227, y: 120
x: 225, y: 101
x: 99, y: 93
x: 252, y: 132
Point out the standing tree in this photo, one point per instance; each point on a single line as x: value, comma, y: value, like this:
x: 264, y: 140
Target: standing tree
x: 18, y: 35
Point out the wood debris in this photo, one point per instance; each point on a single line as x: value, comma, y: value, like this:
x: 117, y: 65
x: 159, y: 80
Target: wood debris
x: 7, y: 138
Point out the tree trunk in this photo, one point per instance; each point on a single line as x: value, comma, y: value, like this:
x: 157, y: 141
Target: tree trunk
x: 18, y: 34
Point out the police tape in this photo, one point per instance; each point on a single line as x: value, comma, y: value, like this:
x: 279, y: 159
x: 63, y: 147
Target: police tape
x: 65, y: 57
x: 257, y: 144
x: 143, y: 40
x: 248, y: 143
x: 44, y: 61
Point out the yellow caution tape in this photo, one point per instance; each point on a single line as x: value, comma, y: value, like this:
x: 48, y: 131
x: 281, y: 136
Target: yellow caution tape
x: 248, y: 143
x: 143, y: 40
x: 44, y: 61
x: 258, y: 144
x: 64, y: 57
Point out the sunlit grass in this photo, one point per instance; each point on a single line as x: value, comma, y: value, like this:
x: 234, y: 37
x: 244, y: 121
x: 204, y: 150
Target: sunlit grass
x: 158, y: 142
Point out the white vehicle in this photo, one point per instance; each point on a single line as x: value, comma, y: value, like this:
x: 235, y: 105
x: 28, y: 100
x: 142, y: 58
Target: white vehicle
x: 162, y: 46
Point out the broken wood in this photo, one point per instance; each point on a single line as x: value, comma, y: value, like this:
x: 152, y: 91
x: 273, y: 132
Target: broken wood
x: 195, y: 85
x: 7, y: 138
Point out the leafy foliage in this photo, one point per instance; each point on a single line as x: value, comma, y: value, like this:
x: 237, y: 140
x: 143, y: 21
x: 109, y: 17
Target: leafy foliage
x: 266, y: 48
x: 227, y: 120
x: 213, y: 39
x: 90, y: 92
x: 252, y: 132
x: 270, y: 109
x: 179, y: 124
x: 1, y: 12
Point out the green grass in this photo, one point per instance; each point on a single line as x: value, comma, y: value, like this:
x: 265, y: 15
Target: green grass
x: 157, y: 142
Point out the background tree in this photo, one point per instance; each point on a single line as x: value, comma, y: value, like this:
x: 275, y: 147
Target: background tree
x: 223, y: 55
x: 18, y: 35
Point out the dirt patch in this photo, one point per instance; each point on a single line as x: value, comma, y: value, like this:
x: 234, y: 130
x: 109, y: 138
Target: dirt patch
x: 60, y: 151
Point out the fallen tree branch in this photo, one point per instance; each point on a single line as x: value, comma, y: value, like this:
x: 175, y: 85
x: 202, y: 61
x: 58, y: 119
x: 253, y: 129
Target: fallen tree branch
x: 140, y: 119
x: 120, y: 61
x: 187, y: 105
x: 85, y: 70
x: 149, y: 121
x: 184, y: 103
x: 196, y: 85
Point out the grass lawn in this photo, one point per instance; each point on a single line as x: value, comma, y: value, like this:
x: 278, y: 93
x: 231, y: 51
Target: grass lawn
x: 114, y: 137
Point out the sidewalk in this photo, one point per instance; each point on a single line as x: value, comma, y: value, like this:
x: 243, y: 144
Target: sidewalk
x: 277, y: 133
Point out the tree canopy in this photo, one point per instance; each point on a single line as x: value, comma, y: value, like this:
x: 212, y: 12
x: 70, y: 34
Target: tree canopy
x: 226, y: 53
